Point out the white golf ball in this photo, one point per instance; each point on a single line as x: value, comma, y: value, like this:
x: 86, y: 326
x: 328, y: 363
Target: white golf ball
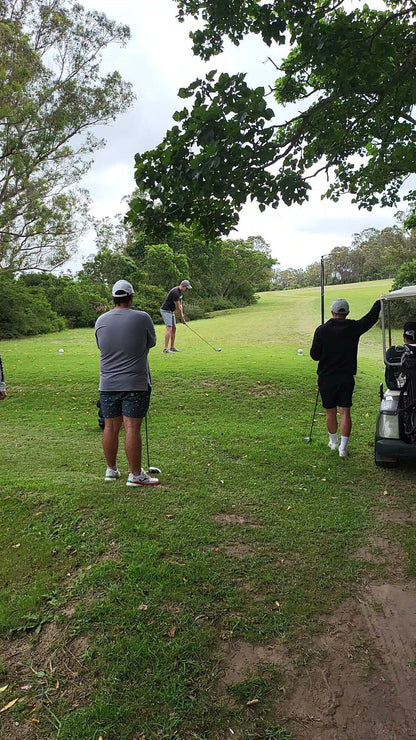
x: 60, y: 351
x: 300, y: 351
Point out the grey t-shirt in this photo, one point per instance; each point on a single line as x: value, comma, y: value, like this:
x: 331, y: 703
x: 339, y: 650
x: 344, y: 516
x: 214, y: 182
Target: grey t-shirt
x: 124, y: 337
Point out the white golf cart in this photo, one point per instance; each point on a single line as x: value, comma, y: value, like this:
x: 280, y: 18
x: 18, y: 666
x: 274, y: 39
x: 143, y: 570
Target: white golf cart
x: 395, y: 437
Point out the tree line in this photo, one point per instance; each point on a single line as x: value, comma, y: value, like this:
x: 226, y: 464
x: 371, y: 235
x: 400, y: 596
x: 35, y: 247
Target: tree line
x: 224, y: 274
x: 373, y: 255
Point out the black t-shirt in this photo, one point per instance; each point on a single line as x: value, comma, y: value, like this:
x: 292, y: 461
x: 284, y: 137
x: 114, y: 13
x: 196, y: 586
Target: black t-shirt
x: 335, y: 344
x: 169, y: 303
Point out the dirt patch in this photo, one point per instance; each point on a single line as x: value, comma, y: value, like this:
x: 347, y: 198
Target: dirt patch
x: 267, y: 389
x: 380, y: 551
x: 212, y: 384
x: 375, y: 551
x: 359, y: 681
x: 263, y: 390
x: 174, y: 608
x: 239, y: 659
x: 401, y: 517
x: 233, y: 519
x: 239, y: 551
x: 365, y: 686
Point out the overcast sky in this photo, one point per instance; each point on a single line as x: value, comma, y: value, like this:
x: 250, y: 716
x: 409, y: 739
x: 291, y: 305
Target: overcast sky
x: 158, y: 61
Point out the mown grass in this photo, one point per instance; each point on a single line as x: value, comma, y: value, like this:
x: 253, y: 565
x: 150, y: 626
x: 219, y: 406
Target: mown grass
x: 251, y: 536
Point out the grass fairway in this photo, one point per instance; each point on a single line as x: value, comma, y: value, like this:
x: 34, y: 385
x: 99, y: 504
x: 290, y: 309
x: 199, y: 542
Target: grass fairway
x: 120, y: 608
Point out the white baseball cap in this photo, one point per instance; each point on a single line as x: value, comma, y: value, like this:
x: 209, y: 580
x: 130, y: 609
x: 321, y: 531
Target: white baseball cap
x: 122, y: 289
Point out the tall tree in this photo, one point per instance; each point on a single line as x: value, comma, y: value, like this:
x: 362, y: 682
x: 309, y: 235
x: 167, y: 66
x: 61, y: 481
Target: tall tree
x: 52, y: 94
x: 349, y: 77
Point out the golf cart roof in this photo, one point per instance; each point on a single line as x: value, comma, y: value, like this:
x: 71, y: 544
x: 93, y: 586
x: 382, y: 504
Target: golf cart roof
x: 409, y: 291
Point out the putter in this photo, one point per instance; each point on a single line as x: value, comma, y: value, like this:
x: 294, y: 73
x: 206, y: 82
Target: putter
x: 150, y: 469
x: 204, y: 340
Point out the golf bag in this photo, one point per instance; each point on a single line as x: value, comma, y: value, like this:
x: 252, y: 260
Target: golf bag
x: 101, y: 421
x: 407, y: 399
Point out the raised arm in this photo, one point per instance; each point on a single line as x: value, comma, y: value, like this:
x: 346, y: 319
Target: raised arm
x: 367, y: 321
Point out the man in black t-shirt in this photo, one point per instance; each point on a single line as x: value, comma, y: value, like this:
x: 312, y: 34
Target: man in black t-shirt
x: 335, y: 346
x: 172, y: 303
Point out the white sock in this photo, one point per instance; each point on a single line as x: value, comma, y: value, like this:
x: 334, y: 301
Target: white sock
x: 333, y: 438
x: 344, y: 443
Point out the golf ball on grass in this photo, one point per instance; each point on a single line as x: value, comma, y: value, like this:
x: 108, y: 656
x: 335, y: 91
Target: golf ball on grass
x: 60, y: 351
x: 300, y: 351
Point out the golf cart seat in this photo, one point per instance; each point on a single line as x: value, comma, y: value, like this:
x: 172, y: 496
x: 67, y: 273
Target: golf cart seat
x: 394, y: 376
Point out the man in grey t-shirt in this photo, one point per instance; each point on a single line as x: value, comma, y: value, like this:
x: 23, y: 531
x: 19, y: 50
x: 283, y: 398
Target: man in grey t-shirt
x: 124, y: 337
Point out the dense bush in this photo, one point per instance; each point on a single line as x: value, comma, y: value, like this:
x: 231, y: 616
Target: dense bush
x: 217, y: 303
x: 77, y: 302
x: 79, y: 305
x: 24, y: 310
x: 193, y: 311
x: 224, y: 274
x: 149, y: 298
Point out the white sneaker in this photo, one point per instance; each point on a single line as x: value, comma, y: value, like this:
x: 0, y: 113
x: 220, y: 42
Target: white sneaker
x: 111, y: 474
x: 343, y: 453
x: 173, y: 349
x: 333, y: 445
x: 141, y: 480
x: 167, y: 351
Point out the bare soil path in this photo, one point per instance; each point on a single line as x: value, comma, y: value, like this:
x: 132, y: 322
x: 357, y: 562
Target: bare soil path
x: 359, y: 679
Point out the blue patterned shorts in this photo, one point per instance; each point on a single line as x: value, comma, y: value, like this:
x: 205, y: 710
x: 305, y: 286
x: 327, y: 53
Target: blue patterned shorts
x: 124, y: 403
x: 168, y: 317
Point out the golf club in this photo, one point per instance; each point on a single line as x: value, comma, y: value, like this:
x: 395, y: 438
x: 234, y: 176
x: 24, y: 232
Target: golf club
x: 309, y: 439
x: 204, y: 340
x: 150, y: 469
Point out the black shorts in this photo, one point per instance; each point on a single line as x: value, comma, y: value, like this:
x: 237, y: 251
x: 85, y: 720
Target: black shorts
x: 336, y: 391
